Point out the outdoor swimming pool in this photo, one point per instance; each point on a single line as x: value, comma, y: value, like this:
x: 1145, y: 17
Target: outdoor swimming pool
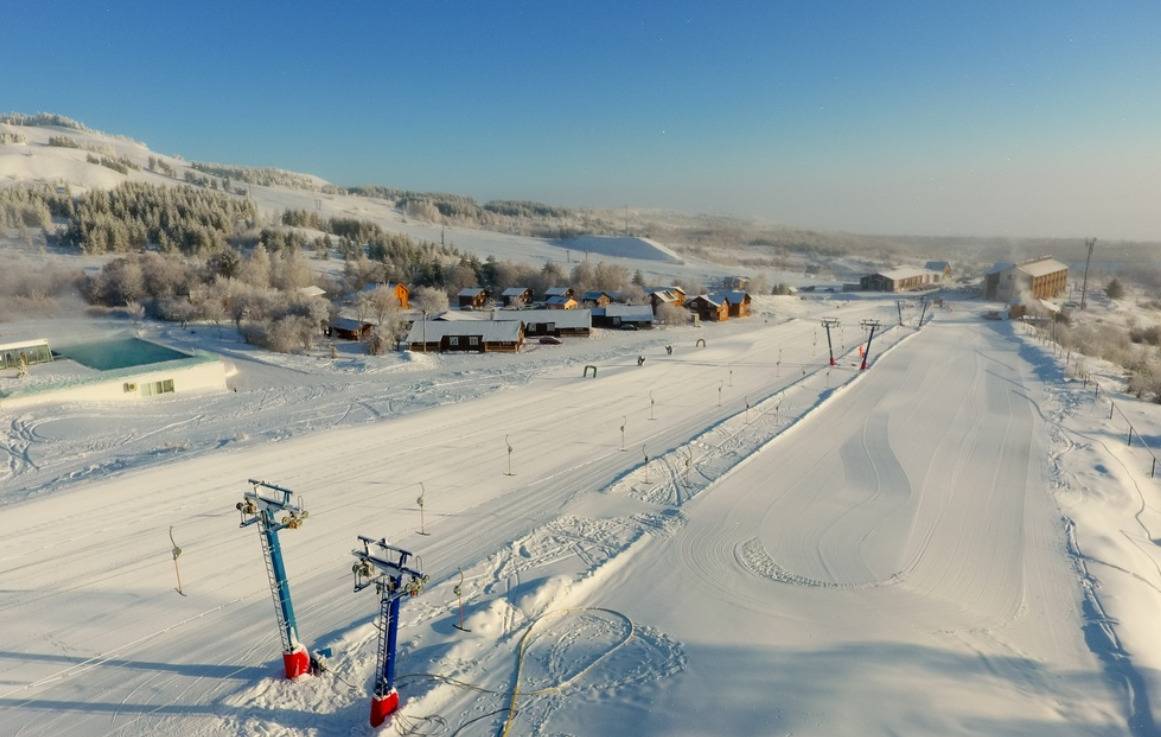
x: 118, y: 353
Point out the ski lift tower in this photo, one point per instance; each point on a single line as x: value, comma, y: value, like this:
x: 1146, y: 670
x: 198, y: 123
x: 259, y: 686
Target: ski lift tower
x: 273, y: 514
x: 828, y: 323
x: 385, y: 567
x: 870, y: 325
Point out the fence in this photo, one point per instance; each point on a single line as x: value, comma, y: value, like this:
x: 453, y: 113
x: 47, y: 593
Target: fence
x: 1048, y: 335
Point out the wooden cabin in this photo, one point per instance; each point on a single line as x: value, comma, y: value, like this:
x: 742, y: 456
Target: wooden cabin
x: 560, y: 302
x: 598, y: 298
x: 472, y: 298
x: 622, y: 316
x: 708, y: 309
x: 737, y: 301
x: 466, y: 336
x: 559, y: 292
x: 349, y: 328
x: 666, y: 295
x: 516, y: 297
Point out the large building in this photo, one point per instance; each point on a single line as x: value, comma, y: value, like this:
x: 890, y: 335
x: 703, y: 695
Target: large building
x: 1042, y: 278
x: 900, y: 280
x: 116, y: 369
x: 466, y: 336
x: 556, y: 323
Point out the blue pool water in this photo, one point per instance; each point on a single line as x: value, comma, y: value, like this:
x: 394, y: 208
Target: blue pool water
x: 107, y: 355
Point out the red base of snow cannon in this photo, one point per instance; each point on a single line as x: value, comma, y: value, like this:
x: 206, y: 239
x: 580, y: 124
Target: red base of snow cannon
x: 383, y: 707
x: 296, y: 662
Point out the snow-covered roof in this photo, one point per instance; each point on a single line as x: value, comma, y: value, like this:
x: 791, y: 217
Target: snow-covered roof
x: 492, y: 331
x: 713, y: 299
x: 1042, y: 267
x: 736, y: 296
x: 514, y: 292
x: 23, y: 344
x: 557, y: 291
x: 635, y: 313
x: 470, y: 292
x: 594, y: 294
x: 312, y: 291
x: 558, y: 299
x: 1000, y: 266
x: 937, y: 265
x: 905, y: 272
x: 666, y: 294
x: 563, y: 318
x: 350, y: 323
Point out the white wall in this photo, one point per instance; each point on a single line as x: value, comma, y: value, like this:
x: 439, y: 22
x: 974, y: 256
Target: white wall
x: 202, y: 377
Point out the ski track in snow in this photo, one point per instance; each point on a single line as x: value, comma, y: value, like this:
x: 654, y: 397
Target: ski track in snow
x: 597, y: 527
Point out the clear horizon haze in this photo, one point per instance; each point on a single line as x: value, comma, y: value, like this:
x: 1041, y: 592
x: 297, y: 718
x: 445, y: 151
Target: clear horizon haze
x: 1031, y: 119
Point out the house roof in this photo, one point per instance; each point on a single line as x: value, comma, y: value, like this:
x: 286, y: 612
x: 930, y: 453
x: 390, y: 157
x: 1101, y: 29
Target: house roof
x: 23, y: 344
x: 736, y: 296
x: 562, y: 318
x: 559, y: 299
x: 557, y: 291
x: 1042, y: 267
x: 634, y: 313
x: 712, y: 299
x: 470, y: 292
x: 515, y: 291
x: 594, y: 294
x: 350, y: 323
x: 905, y: 272
x: 937, y: 265
x: 311, y: 291
x: 492, y: 331
x: 1000, y: 266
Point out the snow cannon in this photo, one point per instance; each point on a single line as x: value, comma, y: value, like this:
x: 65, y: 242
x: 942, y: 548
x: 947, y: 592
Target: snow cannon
x: 386, y: 568
x: 273, y: 514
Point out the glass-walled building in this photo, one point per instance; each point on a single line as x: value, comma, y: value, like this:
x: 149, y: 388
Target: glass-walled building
x: 33, y: 351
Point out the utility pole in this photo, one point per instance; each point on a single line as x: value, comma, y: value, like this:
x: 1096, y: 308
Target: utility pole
x: 899, y: 308
x: 1091, y: 243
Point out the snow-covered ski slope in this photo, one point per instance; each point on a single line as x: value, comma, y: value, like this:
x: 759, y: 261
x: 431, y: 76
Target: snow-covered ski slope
x: 814, y: 555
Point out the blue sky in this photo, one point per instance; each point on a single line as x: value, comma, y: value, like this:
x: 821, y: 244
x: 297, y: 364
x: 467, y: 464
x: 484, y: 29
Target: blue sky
x: 1010, y: 118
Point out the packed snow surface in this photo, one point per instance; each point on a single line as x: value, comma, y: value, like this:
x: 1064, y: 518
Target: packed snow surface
x: 772, y: 547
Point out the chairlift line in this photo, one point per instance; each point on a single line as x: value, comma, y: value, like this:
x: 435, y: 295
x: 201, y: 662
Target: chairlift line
x: 264, y: 511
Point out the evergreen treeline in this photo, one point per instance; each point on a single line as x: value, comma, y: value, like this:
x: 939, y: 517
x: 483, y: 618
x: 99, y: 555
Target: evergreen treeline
x: 134, y: 214
x: 28, y: 207
x: 43, y: 119
x: 263, y: 176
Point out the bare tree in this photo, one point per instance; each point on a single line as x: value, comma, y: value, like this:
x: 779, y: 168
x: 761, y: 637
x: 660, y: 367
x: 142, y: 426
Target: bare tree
x: 429, y: 300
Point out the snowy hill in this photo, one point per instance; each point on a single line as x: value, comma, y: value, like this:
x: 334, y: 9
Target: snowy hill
x: 34, y: 159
